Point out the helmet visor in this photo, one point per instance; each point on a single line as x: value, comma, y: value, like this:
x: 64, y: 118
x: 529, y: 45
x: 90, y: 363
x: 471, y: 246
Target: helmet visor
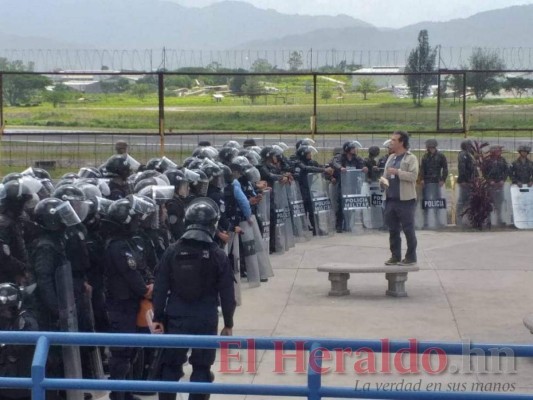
x: 29, y: 185
x: 103, y: 205
x: 67, y: 214
x: 28, y: 171
x: 166, y: 163
x: 133, y: 163
x: 159, y: 194
x: 142, y: 205
x: 183, y: 189
x: 81, y: 207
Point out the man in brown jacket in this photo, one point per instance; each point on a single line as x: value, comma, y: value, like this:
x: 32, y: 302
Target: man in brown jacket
x: 401, y: 171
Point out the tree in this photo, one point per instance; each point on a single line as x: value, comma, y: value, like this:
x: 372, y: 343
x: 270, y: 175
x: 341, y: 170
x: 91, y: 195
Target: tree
x: 115, y: 85
x: 237, y: 81
x: 421, y: 59
x: 483, y: 83
x: 140, y: 90
x: 19, y: 89
x: 365, y: 86
x: 59, y: 94
x: 456, y: 84
x: 517, y: 85
x: 326, y: 95
x: 252, y: 88
x: 261, y: 65
x: 295, y: 61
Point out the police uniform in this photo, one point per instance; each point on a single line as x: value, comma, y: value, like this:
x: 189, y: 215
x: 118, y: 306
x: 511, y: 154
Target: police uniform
x: 125, y: 282
x: 13, y: 253
x: 522, y: 171
x: 303, y: 168
x: 434, y: 167
x: 496, y: 171
x: 15, y: 360
x: 190, y: 279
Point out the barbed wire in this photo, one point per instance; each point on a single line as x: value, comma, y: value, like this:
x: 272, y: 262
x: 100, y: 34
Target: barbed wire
x: 147, y: 60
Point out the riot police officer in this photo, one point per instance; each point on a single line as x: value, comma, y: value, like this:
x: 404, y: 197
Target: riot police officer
x: 118, y: 168
x: 522, y: 167
x: 176, y: 206
x: 15, y: 361
x: 193, y: 274
x: 347, y: 159
x: 127, y: 281
x: 433, y: 171
x: 371, y: 163
x: 14, y: 195
x: 467, y: 172
x: 496, y: 171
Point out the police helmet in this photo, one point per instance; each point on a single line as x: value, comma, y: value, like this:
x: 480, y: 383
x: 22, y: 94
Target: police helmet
x: 38, y: 173
x: 226, y: 154
x: 177, y: 179
x: 15, y: 193
x: 201, y: 220
x: 524, y: 147
x: 232, y: 143
x: 431, y: 143
x: 70, y: 175
x: 118, y: 165
x: 200, y: 186
x: 152, y: 163
x: 120, y: 212
x: 304, y: 150
x: 350, y: 145
x: 240, y: 163
x: 75, y: 196
x: 373, y: 151
x: 304, y: 142
x: 89, y: 172
x: 12, y: 176
x: 54, y: 214
x: 205, y: 152
x: 11, y: 297
x: 210, y: 168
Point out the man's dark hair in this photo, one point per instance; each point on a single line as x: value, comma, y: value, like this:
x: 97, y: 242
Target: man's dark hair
x: 204, y: 143
x: 403, y: 138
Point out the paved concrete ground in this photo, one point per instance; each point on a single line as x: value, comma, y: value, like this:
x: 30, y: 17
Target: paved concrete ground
x: 471, y: 286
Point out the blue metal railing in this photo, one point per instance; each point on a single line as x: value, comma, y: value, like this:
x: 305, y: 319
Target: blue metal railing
x: 39, y: 383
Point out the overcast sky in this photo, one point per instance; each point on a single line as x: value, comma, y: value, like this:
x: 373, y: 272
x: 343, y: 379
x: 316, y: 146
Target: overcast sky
x: 383, y: 13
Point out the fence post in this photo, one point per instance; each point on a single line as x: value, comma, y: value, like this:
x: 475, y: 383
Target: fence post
x: 314, y: 374
x: 1, y: 105
x: 438, y: 99
x: 161, y: 93
x: 464, y: 106
x: 313, y: 118
x: 38, y: 368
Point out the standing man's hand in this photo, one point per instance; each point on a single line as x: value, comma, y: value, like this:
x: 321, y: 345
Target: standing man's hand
x: 226, y: 331
x: 392, y: 171
x: 157, y: 328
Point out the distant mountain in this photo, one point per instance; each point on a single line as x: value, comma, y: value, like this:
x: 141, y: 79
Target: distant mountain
x: 141, y: 24
x: 509, y: 28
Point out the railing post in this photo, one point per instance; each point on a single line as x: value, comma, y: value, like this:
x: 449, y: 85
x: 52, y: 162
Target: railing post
x: 313, y: 118
x: 1, y: 105
x: 161, y: 95
x: 314, y: 373
x: 465, y: 126
x: 38, y: 368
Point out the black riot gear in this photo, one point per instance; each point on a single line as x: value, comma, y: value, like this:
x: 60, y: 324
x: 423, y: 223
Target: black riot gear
x: 152, y: 164
x: 226, y: 154
x: 201, y: 220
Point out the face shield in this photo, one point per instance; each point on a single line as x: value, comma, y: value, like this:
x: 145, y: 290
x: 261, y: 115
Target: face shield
x: 211, y: 152
x: 102, y: 205
x: 48, y: 188
x: 278, y: 149
x: 142, y: 205
x: 103, y: 186
x: 133, y: 163
x: 162, y: 180
x: 254, y: 158
x: 29, y: 185
x: 165, y: 164
x: 232, y: 143
x: 31, y: 203
x: 201, y: 188
x: 28, y: 172
x: 183, y: 189
x: 160, y: 194
x: 253, y: 175
x: 67, y: 214
x: 256, y: 149
x: 191, y: 176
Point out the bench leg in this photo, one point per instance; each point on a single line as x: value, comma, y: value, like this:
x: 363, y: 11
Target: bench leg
x: 339, y: 284
x: 396, y: 284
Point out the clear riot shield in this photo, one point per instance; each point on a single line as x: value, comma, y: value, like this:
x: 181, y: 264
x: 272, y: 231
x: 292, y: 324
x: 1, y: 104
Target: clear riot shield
x: 289, y: 233
x: 501, y: 197
x: 321, y: 205
x: 373, y: 216
x: 434, y: 206
x: 300, y: 222
x: 261, y: 249
x: 462, y: 200
x: 522, y: 201
x: 232, y: 250
x: 249, y: 253
x: 354, y: 199
x: 68, y: 322
x: 281, y: 205
x: 263, y: 213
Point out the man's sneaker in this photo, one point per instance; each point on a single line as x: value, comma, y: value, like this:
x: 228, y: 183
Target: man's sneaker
x: 392, y: 261
x: 405, y: 261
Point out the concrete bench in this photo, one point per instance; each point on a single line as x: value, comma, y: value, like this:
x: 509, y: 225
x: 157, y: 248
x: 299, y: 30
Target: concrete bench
x: 528, y: 322
x: 339, y: 273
